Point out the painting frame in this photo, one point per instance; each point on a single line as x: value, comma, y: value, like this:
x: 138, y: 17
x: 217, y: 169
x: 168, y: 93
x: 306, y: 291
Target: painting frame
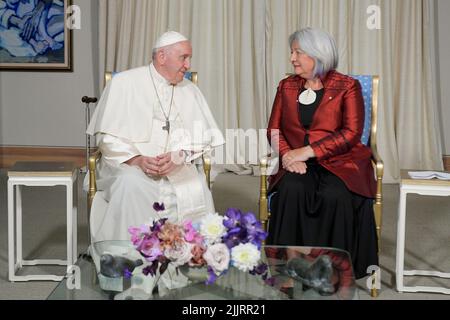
x: 37, y: 46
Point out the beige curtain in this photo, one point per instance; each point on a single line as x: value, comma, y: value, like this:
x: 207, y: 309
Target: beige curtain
x: 401, y: 53
x: 228, y: 38
x: 241, y: 53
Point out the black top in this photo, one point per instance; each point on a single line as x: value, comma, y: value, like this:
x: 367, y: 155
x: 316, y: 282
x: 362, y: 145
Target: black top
x: 306, y: 112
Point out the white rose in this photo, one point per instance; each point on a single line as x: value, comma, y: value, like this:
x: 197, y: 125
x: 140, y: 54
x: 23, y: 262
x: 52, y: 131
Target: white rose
x: 217, y: 257
x: 212, y: 228
x: 245, y: 257
x: 179, y: 255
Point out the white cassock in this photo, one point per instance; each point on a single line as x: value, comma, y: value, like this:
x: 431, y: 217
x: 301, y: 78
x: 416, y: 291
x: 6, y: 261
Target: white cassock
x: 127, y: 122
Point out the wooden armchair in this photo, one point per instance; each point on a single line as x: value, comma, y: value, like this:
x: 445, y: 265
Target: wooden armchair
x: 95, y: 157
x: 369, y: 86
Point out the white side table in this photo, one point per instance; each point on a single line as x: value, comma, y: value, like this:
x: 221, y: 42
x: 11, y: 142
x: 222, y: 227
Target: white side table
x: 433, y: 187
x: 40, y: 174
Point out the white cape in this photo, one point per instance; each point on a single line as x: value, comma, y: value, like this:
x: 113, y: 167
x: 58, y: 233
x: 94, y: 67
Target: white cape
x: 125, y: 110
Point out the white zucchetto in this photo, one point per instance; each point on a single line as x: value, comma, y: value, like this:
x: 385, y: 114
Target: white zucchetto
x: 169, y: 38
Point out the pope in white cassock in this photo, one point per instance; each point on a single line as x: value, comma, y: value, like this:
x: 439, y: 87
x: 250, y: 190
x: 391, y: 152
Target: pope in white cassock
x: 152, y: 126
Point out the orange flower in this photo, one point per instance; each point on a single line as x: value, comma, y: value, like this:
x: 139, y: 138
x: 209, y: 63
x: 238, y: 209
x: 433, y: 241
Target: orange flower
x: 171, y: 235
x: 197, y: 256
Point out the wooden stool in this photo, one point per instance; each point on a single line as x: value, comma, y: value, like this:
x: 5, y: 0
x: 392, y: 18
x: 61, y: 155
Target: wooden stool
x: 40, y: 174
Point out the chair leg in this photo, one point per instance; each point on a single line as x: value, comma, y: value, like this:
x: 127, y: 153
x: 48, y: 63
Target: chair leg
x: 373, y: 289
x: 263, y: 209
x: 377, y: 208
x: 207, y: 168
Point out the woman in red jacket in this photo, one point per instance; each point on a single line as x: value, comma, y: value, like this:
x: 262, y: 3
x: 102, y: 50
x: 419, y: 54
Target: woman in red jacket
x: 325, y: 184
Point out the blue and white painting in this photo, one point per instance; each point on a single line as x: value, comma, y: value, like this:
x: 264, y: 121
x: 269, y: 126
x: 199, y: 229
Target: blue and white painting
x: 32, y: 34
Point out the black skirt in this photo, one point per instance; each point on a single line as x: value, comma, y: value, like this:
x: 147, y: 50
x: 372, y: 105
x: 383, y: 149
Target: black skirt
x: 318, y: 210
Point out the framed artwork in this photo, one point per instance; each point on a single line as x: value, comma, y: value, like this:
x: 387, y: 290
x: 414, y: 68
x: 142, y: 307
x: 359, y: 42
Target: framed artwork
x: 34, y: 35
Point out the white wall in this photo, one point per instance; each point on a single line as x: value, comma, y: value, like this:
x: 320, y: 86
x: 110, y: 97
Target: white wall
x: 44, y: 108
x: 443, y: 39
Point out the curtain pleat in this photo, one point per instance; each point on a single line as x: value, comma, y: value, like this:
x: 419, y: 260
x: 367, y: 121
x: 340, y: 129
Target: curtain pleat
x: 241, y: 52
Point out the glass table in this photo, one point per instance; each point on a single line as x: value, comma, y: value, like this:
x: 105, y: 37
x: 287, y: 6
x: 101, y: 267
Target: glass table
x: 298, y: 273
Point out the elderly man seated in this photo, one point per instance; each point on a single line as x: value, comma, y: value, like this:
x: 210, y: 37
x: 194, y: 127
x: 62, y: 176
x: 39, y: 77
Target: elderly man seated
x: 152, y: 126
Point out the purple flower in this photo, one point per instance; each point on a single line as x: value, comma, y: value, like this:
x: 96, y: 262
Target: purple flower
x: 137, y: 234
x: 127, y: 273
x: 257, y: 238
x: 191, y: 235
x: 234, y: 237
x: 233, y: 218
x: 150, y: 247
x: 248, y: 220
x: 151, y: 270
x: 158, y: 207
x: 262, y: 270
x: 269, y: 281
x: 259, y: 269
x: 255, y: 233
x: 157, y: 225
x: 251, y: 224
x: 211, y: 276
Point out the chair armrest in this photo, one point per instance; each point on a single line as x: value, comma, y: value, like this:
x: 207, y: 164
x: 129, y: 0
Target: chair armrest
x: 264, y: 213
x: 207, y: 168
x: 378, y: 167
x: 93, y: 158
x: 376, y: 161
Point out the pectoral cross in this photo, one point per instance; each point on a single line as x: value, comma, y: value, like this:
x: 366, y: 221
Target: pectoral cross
x: 167, y: 126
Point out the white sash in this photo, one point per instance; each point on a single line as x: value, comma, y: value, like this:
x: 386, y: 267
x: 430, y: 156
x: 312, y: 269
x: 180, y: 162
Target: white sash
x: 189, y: 190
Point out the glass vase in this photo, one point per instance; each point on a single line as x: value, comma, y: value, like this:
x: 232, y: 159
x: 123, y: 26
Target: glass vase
x: 194, y: 274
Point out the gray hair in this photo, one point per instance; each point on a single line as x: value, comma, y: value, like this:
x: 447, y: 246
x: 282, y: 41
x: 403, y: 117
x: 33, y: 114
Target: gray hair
x: 154, y: 53
x: 156, y: 50
x: 320, y: 46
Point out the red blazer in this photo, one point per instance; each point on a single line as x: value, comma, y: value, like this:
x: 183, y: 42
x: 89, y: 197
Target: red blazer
x: 334, y: 134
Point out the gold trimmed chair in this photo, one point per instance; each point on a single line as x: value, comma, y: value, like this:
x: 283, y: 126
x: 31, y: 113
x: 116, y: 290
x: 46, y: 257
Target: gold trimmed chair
x: 95, y: 157
x: 369, y: 86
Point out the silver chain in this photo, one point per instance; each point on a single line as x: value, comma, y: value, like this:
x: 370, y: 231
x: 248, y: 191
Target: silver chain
x: 160, y: 104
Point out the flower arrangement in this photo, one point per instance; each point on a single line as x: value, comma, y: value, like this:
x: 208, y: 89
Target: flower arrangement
x: 217, y: 242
